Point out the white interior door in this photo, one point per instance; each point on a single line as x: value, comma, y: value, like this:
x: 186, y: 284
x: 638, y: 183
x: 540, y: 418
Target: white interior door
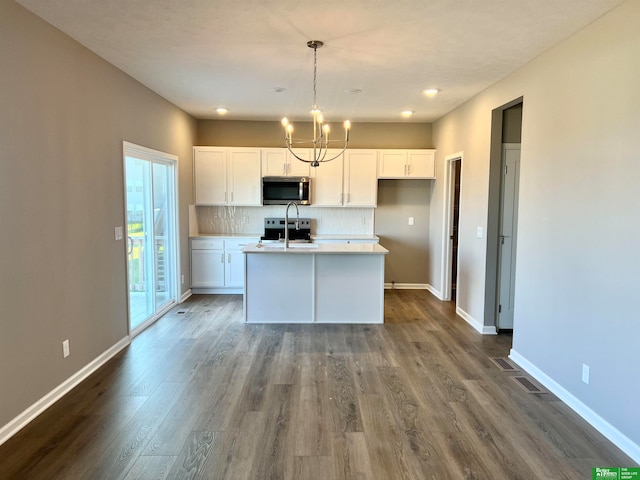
x: 508, y: 231
x: 150, y: 193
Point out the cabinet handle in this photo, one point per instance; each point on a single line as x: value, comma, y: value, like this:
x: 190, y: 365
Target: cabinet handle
x: 229, y: 258
x: 409, y: 169
x: 232, y: 196
x: 222, y: 258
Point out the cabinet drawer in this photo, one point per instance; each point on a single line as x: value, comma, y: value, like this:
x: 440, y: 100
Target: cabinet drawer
x: 207, y: 244
x: 238, y: 243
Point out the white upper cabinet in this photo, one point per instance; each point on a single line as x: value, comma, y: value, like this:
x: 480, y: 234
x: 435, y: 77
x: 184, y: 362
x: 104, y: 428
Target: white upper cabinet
x: 360, y: 178
x: 406, y: 164
x: 227, y: 176
x: 210, y: 175
x: 348, y: 181
x: 326, y: 182
x: 244, y: 182
x: 278, y: 162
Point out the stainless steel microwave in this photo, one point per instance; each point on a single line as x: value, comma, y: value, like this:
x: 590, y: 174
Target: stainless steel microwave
x: 282, y: 190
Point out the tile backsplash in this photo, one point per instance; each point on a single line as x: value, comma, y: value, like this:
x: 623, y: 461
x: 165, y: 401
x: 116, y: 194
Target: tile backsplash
x: 222, y: 220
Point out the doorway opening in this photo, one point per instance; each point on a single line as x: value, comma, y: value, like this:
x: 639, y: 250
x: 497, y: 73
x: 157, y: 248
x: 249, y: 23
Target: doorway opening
x: 506, y: 134
x: 451, y: 215
x: 152, y: 241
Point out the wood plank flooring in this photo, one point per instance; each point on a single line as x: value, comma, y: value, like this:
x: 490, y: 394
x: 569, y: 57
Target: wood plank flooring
x: 202, y: 395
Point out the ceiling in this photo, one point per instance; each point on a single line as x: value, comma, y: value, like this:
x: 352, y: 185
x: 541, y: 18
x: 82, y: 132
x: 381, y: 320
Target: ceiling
x: 250, y: 56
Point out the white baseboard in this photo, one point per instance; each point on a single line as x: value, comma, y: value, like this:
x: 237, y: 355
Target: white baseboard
x: 406, y: 286
x: 436, y: 293
x: 186, y: 295
x: 217, y: 291
x: 618, y: 438
x: 18, y: 423
x: 483, y: 329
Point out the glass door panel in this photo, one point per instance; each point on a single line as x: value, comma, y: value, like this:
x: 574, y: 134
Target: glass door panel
x: 151, y: 237
x: 138, y: 185
x: 161, y: 214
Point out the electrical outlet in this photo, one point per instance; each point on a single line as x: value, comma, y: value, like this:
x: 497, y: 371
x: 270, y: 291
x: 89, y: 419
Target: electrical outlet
x: 117, y: 233
x: 182, y: 279
x: 585, y: 373
x: 65, y: 349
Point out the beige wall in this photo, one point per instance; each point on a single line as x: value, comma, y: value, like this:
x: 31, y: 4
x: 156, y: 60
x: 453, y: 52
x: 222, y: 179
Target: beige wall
x: 64, y: 114
x: 577, y: 254
x: 270, y: 134
x: 408, y: 258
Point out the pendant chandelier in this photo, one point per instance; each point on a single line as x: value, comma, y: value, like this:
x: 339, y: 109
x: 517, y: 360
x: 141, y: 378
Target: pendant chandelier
x: 320, y: 142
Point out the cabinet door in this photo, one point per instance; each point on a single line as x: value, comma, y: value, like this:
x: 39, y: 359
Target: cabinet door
x: 295, y: 167
x: 234, y: 271
x: 207, y: 268
x: 326, y: 183
x: 392, y: 164
x: 210, y: 175
x: 421, y: 163
x: 360, y: 178
x: 245, y: 180
x: 274, y: 162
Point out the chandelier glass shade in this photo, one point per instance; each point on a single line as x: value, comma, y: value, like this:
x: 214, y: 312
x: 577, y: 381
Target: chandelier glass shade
x: 320, y: 142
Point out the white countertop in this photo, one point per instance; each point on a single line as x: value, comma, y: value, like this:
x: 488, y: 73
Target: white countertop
x: 318, y: 248
x: 356, y: 236
x: 227, y: 235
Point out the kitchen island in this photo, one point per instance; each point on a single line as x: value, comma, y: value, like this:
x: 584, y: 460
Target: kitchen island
x: 314, y: 283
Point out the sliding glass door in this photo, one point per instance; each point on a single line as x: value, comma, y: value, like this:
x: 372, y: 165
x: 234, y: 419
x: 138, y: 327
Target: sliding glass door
x: 150, y: 195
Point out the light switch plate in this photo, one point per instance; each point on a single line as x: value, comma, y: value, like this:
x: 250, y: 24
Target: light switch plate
x: 411, y: 220
x: 479, y: 232
x: 118, y: 233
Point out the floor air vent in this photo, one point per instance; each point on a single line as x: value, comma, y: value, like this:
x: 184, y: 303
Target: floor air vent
x: 503, y: 364
x: 181, y: 312
x: 528, y: 385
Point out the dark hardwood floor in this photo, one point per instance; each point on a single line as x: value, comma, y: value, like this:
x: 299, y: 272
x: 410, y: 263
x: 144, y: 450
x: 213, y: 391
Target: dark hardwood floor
x: 202, y: 395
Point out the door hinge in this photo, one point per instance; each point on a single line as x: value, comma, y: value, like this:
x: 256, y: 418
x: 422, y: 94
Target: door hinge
x: 505, y: 169
x: 499, y: 308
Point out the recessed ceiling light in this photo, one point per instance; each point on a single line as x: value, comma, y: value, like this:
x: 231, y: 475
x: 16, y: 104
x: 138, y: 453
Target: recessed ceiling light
x: 279, y: 89
x: 431, y: 92
x: 222, y: 111
x: 407, y: 113
x: 353, y: 91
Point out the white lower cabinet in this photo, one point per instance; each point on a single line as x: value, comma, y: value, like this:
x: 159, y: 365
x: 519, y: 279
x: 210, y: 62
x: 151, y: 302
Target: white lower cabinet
x: 217, y: 264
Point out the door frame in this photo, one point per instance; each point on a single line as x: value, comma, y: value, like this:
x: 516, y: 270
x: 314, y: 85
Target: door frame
x: 493, y: 214
x: 149, y: 154
x: 447, y: 215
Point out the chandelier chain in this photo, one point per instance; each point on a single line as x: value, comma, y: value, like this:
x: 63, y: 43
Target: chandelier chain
x: 315, y: 74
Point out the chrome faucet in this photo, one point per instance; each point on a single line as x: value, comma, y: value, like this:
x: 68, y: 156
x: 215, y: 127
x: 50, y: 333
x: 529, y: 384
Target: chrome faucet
x: 286, y: 222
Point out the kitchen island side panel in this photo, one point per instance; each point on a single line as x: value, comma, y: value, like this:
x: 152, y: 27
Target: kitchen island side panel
x: 278, y: 288
x: 349, y: 289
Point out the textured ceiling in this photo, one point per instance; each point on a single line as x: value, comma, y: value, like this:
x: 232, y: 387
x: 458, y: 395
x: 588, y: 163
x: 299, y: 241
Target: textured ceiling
x: 201, y: 54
